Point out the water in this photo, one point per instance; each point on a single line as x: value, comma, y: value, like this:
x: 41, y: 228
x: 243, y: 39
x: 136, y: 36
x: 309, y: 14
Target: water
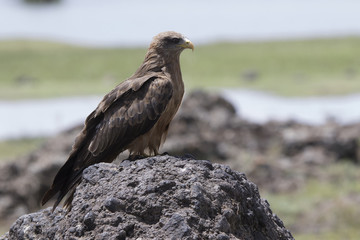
x: 43, y: 117
x: 262, y: 107
x: 33, y: 118
x: 129, y: 23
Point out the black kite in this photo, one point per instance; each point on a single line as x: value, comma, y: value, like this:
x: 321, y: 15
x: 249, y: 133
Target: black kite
x: 134, y: 116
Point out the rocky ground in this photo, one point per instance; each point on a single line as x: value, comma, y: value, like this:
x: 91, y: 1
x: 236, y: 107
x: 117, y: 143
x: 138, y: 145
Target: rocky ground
x: 158, y: 198
x: 277, y: 156
x: 208, y: 127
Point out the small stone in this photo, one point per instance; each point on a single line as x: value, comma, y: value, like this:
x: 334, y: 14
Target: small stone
x: 177, y: 227
x: 115, y: 222
x: 89, y: 220
x: 79, y: 231
x: 223, y: 225
x: 121, y: 235
x: 228, y: 213
x: 38, y: 229
x: 112, y: 204
x: 222, y: 236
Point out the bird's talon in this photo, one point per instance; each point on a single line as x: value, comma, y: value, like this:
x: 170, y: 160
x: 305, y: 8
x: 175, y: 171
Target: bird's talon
x: 136, y: 157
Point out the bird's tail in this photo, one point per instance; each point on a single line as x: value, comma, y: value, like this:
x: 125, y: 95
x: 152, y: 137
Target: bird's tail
x: 64, y: 183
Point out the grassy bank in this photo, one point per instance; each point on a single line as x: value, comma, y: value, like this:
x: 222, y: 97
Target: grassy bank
x: 10, y: 149
x: 301, y: 68
x: 325, y: 208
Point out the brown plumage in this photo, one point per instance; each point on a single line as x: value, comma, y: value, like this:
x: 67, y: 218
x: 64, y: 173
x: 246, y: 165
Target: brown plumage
x: 134, y: 116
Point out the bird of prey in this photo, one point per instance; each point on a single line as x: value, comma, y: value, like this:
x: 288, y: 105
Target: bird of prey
x: 134, y: 116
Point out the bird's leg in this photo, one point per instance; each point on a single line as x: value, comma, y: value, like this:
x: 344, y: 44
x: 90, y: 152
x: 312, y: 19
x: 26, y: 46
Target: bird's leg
x: 155, y: 151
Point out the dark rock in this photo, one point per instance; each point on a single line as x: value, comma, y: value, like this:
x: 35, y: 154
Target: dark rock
x: 89, y: 220
x: 192, y: 199
x: 112, y: 204
x: 341, y: 142
x: 208, y: 127
x: 24, y: 180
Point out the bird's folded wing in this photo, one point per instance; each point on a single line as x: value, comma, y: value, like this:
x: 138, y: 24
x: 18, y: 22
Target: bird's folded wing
x: 131, y: 114
x: 133, y: 84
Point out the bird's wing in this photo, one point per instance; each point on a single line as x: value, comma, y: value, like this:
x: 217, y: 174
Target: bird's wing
x: 131, y: 84
x: 127, y: 112
x: 131, y: 115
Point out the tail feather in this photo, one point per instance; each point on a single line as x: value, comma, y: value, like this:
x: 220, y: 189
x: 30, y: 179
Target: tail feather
x: 48, y: 195
x: 68, y: 201
x: 69, y: 190
x: 64, y: 180
x: 69, y: 175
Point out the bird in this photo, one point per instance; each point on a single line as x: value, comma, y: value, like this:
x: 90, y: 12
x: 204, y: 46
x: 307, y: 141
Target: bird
x: 134, y: 116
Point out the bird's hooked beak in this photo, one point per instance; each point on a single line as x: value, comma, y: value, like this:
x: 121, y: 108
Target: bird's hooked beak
x: 187, y: 44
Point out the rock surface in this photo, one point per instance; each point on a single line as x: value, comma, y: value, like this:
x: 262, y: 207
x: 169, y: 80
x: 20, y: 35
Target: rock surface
x: 160, y: 197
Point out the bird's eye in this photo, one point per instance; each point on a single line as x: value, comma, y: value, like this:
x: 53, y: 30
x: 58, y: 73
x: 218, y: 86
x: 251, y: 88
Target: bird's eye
x: 174, y: 40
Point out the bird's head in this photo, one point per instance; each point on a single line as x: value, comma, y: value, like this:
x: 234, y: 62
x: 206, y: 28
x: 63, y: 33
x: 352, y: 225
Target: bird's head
x: 171, y: 42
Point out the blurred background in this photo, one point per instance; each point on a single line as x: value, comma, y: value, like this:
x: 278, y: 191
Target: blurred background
x: 290, y: 69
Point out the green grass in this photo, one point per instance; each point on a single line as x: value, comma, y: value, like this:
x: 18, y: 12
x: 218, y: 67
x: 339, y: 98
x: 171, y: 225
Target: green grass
x: 11, y: 149
x: 347, y: 234
x: 325, y: 208
x: 313, y: 67
x: 292, y: 68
